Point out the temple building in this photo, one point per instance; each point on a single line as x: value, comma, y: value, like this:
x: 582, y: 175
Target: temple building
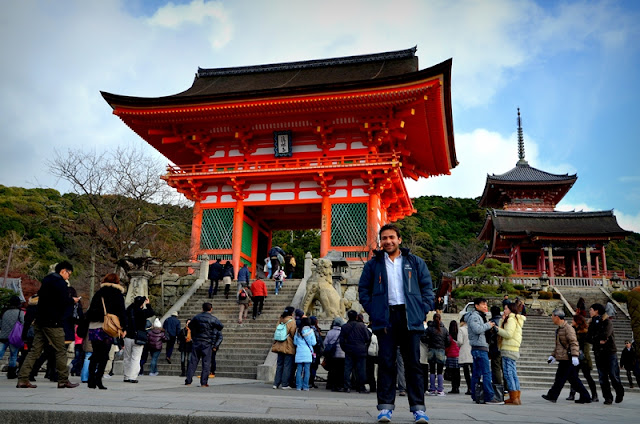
x: 320, y: 144
x: 523, y: 228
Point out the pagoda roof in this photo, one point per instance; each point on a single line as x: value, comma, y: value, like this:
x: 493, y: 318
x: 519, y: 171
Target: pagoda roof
x: 524, y: 176
x: 601, y: 225
x: 269, y: 96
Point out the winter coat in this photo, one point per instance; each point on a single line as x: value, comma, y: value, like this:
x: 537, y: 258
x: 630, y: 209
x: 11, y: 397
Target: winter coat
x: 453, y: 350
x: 633, y: 304
x: 627, y: 359
x: 259, y: 288
x: 9, y: 319
x: 53, y: 301
x: 465, y: 348
x: 287, y: 347
x: 511, y: 333
x: 418, y: 290
x: 477, y: 324
x: 113, y: 295
x: 216, y: 270
x: 354, y: 339
x: 156, y: 337
x: 566, y: 341
x: 171, y: 326
x: 243, y: 275
x: 304, y: 345
x: 137, y: 319
x: 202, y: 328
x: 227, y: 271
x: 333, y: 337
x: 601, y: 328
x: 217, y: 339
x: 183, y: 344
x: 585, y: 347
x: 434, y: 339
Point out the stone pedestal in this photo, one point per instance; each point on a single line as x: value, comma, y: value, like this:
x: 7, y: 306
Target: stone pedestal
x: 138, y: 285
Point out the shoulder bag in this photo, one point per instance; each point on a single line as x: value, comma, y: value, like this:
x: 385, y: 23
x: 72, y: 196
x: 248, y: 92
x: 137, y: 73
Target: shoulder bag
x: 111, y: 324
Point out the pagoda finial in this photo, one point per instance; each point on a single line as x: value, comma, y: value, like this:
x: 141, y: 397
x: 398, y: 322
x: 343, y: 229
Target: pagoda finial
x: 521, y: 160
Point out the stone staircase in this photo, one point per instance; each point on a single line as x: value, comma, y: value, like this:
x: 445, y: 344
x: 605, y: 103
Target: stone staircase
x: 245, y: 346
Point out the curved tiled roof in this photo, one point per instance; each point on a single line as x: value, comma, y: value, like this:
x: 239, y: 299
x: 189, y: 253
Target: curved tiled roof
x: 526, y: 173
x: 602, y: 223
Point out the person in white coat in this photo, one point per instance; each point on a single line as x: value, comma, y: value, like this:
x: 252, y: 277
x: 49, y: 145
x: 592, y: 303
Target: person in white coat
x: 465, y: 359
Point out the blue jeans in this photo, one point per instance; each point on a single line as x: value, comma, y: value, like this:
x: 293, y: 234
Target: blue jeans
x: 396, y: 338
x: 481, y: 369
x: 283, y: 369
x: 510, y: 374
x: 84, y: 374
x: 302, y: 376
x: 13, y: 353
x: 153, y: 366
x: 278, y: 285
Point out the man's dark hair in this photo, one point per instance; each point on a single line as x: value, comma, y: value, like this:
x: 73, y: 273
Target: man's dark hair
x: 479, y: 300
x: 495, y: 311
x: 390, y: 227
x: 598, y: 308
x: 63, y: 265
x: 352, y: 315
x: 207, y: 307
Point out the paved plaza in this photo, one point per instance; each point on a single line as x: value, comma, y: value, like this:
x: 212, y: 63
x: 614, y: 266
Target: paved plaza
x: 227, y: 400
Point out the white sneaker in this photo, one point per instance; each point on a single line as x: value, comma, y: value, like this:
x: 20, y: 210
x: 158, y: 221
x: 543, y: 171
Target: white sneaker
x: 106, y: 376
x: 274, y: 387
x: 441, y: 393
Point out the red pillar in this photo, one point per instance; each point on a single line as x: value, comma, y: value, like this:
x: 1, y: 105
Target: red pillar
x: 604, y: 260
x: 551, y: 268
x: 196, y: 230
x: 325, y: 227
x: 579, y: 264
x: 373, y: 220
x: 588, y: 255
x: 236, y: 242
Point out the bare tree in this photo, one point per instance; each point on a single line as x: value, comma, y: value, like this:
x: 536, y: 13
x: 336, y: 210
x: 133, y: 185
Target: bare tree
x: 114, y: 190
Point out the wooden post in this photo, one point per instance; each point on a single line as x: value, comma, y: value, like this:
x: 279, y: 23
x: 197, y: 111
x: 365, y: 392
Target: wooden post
x: 236, y: 241
x: 604, y: 260
x: 196, y: 230
x: 588, y: 253
x: 579, y: 264
x: 325, y: 227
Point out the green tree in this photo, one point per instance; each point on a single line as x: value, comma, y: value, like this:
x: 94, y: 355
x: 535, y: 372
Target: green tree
x: 487, y: 271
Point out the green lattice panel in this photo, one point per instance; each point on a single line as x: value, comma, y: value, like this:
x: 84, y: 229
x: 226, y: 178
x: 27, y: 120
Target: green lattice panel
x: 247, y: 238
x: 217, y: 228
x: 349, y: 224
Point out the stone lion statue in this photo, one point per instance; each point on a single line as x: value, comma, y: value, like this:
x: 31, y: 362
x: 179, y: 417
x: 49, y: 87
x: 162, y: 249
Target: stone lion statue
x: 320, y: 287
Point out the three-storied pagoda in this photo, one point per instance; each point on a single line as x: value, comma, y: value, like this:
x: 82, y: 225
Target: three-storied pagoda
x: 316, y: 144
x: 523, y: 227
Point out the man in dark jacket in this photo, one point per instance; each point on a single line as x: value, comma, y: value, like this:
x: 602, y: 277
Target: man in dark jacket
x: 215, y: 275
x: 203, y: 335
x: 354, y: 341
x: 53, y: 301
x: 171, y: 329
x: 396, y: 291
x: 601, y: 337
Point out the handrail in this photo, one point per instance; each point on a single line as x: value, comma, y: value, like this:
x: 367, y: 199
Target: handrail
x: 242, y: 166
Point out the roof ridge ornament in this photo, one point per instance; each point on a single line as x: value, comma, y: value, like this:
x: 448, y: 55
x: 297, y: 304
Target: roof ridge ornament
x: 521, y: 161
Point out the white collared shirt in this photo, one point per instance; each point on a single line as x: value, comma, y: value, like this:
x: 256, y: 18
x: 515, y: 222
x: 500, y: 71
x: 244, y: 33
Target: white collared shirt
x: 395, y: 287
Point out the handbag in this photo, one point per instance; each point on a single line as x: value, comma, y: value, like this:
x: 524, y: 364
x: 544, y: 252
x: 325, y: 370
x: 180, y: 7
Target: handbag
x: 15, y: 336
x: 142, y: 337
x: 111, y: 324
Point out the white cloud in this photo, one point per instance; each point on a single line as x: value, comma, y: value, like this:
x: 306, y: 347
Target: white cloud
x: 480, y: 152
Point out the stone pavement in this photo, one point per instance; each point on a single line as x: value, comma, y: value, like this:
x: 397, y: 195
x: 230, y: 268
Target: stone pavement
x: 165, y: 399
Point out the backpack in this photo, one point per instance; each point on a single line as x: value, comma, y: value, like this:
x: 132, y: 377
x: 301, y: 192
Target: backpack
x: 242, y: 295
x: 281, y: 332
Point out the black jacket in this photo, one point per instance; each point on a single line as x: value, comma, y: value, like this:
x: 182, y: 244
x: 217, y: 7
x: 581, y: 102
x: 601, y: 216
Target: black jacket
x: 137, y: 319
x: 601, y: 328
x: 355, y: 339
x: 434, y: 339
x: 215, y: 271
x: 202, y: 328
x: 113, y: 301
x: 53, y: 301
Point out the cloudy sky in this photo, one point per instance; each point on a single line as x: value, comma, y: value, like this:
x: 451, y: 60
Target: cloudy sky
x: 571, y: 66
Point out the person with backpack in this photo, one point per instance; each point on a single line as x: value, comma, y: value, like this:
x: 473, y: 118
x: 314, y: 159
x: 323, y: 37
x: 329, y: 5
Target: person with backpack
x: 11, y: 317
x: 244, y: 300
x: 203, y: 331
x: 185, y: 346
x: 304, y: 340
x: 284, y: 347
x: 244, y: 277
x: 156, y: 337
x: 278, y: 276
